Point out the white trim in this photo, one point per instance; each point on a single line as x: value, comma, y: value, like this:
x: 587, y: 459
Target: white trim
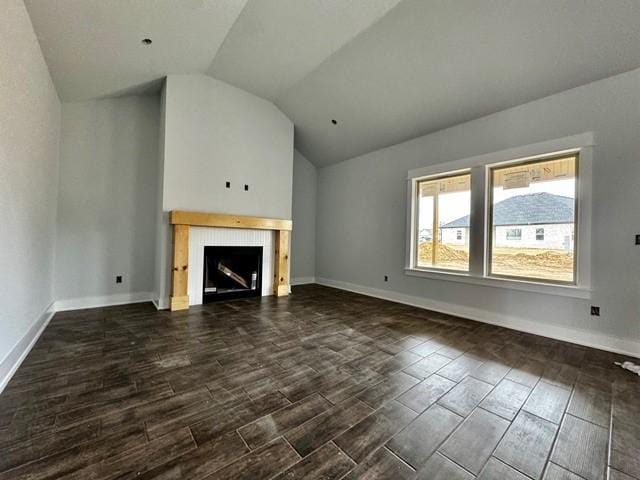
x: 160, y: 303
x: 586, y: 338
x: 512, y: 284
x: 21, y: 349
x: 102, y: 301
x: 201, y: 237
x: 302, y: 281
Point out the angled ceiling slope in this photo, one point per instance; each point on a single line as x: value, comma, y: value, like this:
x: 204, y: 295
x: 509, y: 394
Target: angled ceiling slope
x: 429, y: 64
x: 386, y: 70
x: 277, y: 43
x: 94, y: 47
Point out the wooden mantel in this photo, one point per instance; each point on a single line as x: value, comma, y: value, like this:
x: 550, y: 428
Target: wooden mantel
x: 182, y: 220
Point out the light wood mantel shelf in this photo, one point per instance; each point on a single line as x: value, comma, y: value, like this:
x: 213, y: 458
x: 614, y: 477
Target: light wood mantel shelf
x: 182, y: 220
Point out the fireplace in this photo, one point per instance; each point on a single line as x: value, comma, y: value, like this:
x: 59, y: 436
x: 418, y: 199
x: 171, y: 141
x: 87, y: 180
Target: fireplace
x: 231, y: 272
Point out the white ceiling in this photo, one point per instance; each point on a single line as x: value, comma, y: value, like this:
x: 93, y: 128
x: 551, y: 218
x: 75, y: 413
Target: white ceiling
x: 387, y: 70
x: 94, y: 47
x: 277, y: 43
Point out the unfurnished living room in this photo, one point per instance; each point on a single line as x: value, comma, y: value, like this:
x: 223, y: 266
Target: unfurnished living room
x: 320, y: 239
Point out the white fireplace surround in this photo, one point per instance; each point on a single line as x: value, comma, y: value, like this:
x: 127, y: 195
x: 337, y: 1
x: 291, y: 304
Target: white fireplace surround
x: 200, y: 237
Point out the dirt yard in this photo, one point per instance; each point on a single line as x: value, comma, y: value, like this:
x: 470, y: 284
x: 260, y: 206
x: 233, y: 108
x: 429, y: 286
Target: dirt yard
x: 521, y: 262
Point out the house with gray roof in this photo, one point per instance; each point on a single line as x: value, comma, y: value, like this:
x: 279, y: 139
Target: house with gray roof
x: 536, y: 220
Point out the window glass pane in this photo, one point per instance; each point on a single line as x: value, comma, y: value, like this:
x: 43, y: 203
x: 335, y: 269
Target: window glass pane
x: 532, y: 220
x: 444, y: 206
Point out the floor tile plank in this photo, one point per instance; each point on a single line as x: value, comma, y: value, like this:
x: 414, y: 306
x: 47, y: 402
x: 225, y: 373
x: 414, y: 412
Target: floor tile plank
x: 547, y: 401
x: 373, y: 431
x: 506, y: 399
x: 326, y: 426
x: 527, y: 444
x: 581, y: 448
x: 441, y: 468
x: 383, y: 392
x: 382, y: 465
x: 275, y: 424
x: 326, y: 463
x: 426, y: 393
x: 416, y: 443
x: 260, y: 464
x: 465, y: 396
x: 472, y: 444
x: 132, y: 392
x: 496, y: 470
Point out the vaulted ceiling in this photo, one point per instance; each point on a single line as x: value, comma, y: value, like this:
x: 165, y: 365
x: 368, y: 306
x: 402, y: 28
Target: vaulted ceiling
x: 385, y: 70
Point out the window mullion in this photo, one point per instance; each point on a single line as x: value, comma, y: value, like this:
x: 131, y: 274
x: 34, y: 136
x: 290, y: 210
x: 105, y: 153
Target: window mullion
x: 477, y: 225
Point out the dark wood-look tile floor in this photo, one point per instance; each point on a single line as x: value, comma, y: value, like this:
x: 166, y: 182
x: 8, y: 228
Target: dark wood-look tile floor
x: 323, y: 384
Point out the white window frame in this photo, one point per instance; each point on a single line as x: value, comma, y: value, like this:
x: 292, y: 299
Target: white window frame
x: 439, y: 232
x: 479, y: 167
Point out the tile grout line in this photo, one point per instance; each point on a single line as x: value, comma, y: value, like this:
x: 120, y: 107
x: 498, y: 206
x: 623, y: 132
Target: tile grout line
x: 300, y: 457
x: 395, y: 455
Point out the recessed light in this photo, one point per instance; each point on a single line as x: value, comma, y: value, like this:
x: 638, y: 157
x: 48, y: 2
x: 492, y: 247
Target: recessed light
x: 334, y: 121
x: 147, y: 41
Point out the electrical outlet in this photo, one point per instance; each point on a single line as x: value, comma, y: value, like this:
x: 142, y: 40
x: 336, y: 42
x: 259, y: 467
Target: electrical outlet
x: 118, y: 278
x: 386, y: 278
x: 595, y: 310
x: 246, y: 187
x: 228, y: 184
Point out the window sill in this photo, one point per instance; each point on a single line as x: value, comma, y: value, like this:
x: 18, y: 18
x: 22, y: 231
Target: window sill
x: 527, y: 286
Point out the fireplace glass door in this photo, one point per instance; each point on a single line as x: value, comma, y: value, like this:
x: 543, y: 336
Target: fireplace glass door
x: 232, y: 272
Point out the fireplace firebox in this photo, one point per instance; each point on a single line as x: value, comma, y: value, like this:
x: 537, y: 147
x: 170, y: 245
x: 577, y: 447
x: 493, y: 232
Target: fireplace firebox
x: 231, y: 272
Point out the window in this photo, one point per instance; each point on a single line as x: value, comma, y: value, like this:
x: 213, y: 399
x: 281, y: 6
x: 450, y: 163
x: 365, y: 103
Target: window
x: 518, y: 219
x: 443, y: 206
x: 525, y: 195
x: 514, y: 234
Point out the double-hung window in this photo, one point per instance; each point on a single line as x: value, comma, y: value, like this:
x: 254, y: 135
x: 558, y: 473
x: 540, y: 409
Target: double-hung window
x: 503, y: 220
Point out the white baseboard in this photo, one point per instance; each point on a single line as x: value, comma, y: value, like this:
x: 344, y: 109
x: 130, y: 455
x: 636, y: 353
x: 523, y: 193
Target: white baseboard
x: 302, y: 281
x: 102, y: 301
x: 161, y: 303
x: 572, y: 335
x: 20, y: 350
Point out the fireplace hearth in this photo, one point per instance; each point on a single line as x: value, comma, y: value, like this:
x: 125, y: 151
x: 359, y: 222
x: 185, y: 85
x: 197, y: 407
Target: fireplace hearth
x: 231, y: 272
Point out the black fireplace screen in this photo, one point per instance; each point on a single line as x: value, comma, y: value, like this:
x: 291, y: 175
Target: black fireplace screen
x: 232, y: 272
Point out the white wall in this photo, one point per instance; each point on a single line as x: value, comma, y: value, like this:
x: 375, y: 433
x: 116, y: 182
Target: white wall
x: 107, y: 201
x: 214, y: 133
x: 450, y: 236
x: 29, y: 132
x: 555, y: 237
x: 303, y: 237
x: 163, y: 232
x: 362, y: 206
